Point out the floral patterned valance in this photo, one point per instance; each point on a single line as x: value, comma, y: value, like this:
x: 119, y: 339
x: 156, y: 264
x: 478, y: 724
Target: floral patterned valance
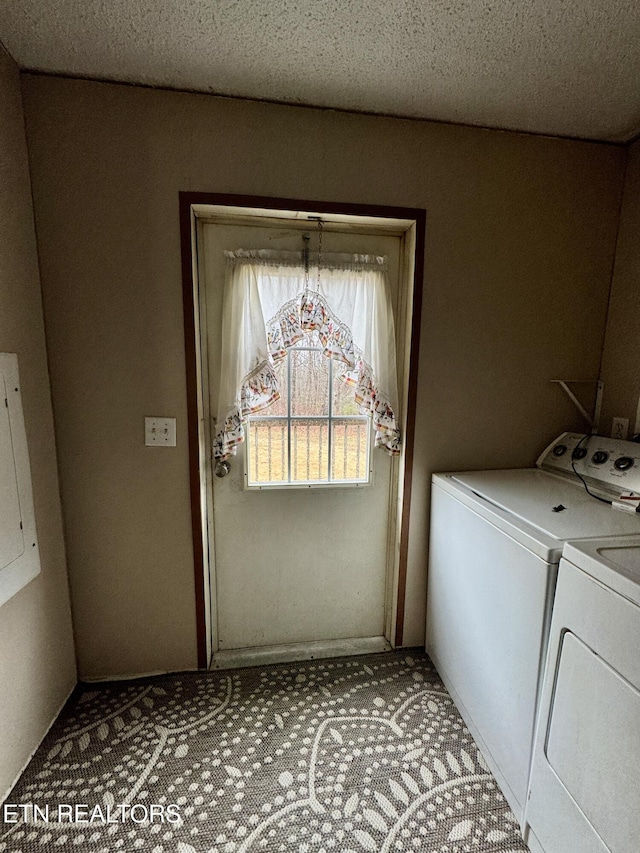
x: 269, y: 307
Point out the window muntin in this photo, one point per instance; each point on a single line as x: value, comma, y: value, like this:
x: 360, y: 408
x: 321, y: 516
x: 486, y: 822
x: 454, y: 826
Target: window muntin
x: 314, y: 434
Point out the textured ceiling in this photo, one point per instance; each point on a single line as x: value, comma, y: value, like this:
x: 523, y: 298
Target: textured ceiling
x: 566, y: 67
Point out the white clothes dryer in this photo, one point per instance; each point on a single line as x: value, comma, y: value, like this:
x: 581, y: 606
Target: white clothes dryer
x: 495, y: 543
x: 585, y: 779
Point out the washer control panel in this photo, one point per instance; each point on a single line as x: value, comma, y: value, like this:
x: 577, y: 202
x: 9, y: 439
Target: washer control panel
x: 610, y: 463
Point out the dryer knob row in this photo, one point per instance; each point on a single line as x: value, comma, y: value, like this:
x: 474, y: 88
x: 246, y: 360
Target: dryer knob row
x: 605, y: 460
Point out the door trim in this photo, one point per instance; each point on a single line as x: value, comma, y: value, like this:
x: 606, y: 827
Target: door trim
x: 191, y: 208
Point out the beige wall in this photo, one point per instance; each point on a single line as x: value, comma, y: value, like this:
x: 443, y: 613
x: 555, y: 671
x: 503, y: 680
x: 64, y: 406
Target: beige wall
x: 37, y: 666
x: 621, y: 358
x: 520, y: 236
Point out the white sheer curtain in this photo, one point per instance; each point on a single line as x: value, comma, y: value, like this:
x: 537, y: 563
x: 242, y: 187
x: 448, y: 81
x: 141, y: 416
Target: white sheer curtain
x: 270, y: 304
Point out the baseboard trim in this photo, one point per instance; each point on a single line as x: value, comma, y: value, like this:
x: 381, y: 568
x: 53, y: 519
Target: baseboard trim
x: 106, y: 679
x: 262, y: 655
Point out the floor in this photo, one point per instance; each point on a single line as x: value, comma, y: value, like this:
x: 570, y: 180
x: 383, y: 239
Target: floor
x: 348, y: 755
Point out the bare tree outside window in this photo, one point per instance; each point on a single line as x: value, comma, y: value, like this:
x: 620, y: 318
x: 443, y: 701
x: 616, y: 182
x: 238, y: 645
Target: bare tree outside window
x: 314, y: 434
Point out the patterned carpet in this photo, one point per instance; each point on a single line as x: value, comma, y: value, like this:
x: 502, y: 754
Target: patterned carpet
x: 336, y: 756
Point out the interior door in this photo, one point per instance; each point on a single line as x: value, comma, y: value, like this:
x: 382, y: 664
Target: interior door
x: 293, y: 565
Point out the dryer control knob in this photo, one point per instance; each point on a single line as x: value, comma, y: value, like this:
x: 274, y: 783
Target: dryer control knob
x: 599, y: 457
x: 559, y: 449
x: 623, y: 463
x: 579, y: 453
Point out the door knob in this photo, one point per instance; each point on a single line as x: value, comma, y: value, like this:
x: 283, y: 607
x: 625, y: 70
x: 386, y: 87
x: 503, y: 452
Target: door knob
x: 222, y: 469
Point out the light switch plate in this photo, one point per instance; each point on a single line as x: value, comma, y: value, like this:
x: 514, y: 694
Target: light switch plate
x: 160, y: 432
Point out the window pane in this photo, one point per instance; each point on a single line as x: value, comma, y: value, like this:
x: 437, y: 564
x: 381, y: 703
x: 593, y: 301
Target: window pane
x: 267, y: 450
x: 349, y: 450
x: 280, y: 406
x: 309, y: 450
x: 343, y: 402
x: 309, y: 383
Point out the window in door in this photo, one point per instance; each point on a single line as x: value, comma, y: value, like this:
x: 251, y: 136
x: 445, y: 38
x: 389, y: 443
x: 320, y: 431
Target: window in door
x: 314, y: 434
x: 308, y: 376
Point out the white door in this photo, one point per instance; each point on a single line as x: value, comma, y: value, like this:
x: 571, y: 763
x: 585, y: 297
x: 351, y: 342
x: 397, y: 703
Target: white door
x: 294, y: 564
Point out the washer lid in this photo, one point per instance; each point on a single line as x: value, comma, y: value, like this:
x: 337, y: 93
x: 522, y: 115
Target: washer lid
x: 614, y: 562
x: 530, y: 496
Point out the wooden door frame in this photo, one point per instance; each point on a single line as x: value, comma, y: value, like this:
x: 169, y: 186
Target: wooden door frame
x: 189, y: 201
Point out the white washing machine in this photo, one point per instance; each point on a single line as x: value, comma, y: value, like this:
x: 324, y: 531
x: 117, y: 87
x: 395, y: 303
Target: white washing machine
x: 584, y: 794
x: 495, y: 544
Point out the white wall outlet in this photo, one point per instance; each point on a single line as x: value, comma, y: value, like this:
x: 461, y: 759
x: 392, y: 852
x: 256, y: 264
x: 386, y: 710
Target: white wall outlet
x: 620, y: 428
x: 160, y: 432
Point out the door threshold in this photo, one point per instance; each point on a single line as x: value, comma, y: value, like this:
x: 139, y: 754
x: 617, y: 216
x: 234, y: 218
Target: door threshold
x: 259, y: 655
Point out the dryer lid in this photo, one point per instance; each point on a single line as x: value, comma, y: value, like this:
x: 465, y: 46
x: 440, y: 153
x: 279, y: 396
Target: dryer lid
x: 533, y: 497
x: 614, y: 562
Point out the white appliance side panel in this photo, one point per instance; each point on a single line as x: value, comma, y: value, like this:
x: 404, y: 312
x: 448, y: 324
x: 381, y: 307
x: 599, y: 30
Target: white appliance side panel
x: 585, y: 773
x: 487, y: 608
x: 19, y: 557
